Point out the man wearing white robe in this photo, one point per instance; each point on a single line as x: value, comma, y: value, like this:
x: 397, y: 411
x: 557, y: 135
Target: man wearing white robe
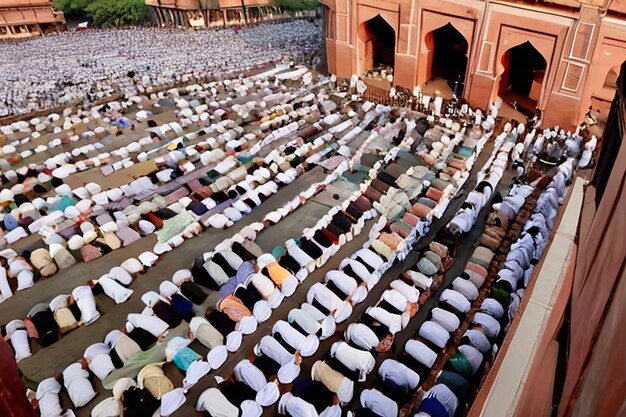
x: 18, y: 335
x: 114, y: 289
x: 401, y: 375
x: 339, y: 309
x: 353, y: 359
x: 420, y: 352
x: 86, y: 303
x: 216, y: 404
x: 306, y: 345
x: 48, y: 398
x: 295, y: 406
x: 289, y: 364
x: 151, y: 324
x: 379, y: 403
x: 99, y: 360
x: 362, y: 336
x: 76, y: 381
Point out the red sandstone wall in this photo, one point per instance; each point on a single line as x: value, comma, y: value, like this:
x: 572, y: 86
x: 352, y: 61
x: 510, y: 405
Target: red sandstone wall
x: 579, y: 44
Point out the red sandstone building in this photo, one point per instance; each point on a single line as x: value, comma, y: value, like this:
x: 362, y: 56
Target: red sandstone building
x: 211, y: 13
x: 559, y: 56
x: 26, y: 18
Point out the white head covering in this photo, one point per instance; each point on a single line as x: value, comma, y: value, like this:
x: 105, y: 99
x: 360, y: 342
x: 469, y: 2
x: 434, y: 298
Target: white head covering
x: 288, y: 372
x: 132, y: 265
x: 168, y: 289
x: 247, y: 325
x: 217, y: 356
x: 261, y: 311
x: 150, y: 298
x: 111, y: 407
x: 233, y: 340
x: 172, y: 401
x: 180, y: 276
x: 148, y: 258
x: 196, y: 370
x: 121, y: 275
x: 268, y: 395
x: 251, y: 408
x: 121, y: 386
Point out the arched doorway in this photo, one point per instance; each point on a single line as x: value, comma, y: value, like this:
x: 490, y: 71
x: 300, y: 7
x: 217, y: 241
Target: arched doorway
x: 448, y: 57
x: 522, y: 80
x: 377, y: 50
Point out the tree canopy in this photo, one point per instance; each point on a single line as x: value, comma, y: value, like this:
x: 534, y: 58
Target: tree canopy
x: 297, y: 4
x: 107, y: 13
x: 111, y: 13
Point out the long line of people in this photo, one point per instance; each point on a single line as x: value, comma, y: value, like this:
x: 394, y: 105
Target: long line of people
x: 333, y: 300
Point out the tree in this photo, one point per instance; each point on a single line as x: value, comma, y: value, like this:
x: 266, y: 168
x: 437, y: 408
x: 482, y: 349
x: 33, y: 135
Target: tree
x: 297, y: 4
x: 72, y: 8
x: 113, y: 13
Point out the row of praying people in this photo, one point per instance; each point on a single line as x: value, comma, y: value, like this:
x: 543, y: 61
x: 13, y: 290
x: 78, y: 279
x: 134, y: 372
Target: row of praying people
x: 495, y: 313
x: 477, y: 199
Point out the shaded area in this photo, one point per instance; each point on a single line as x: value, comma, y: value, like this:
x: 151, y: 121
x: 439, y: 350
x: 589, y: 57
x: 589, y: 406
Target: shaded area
x: 448, y: 50
x: 380, y: 44
x: 522, y: 80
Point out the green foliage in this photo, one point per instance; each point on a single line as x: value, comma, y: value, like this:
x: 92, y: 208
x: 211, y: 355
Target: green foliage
x: 108, y: 13
x: 72, y: 8
x: 112, y: 13
x: 297, y: 4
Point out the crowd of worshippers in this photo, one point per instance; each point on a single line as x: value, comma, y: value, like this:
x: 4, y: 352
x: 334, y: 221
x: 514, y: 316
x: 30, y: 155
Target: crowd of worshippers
x: 251, y: 283
x: 82, y: 67
x: 228, y: 304
x: 84, y: 223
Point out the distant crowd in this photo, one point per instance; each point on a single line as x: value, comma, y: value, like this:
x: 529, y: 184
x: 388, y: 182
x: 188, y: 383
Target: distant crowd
x: 83, y: 67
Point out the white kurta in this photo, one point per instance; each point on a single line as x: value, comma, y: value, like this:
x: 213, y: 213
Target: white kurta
x: 213, y: 401
x: 400, y: 374
x: 151, y: 324
x: 307, y: 345
x: 76, y: 381
x: 362, y: 336
x: 48, y: 398
x: 99, y: 361
x: 379, y: 403
x: 295, y: 407
x: 86, y: 303
x: 114, y: 289
x: 250, y: 375
x: 354, y: 359
x: 420, y: 352
x: 16, y: 330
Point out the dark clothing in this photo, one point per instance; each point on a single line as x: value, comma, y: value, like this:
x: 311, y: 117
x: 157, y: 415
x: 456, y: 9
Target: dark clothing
x: 221, y: 322
x: 237, y: 392
x: 166, y: 313
x: 142, y: 337
x: 140, y: 403
x: 193, y: 292
x: 46, y: 326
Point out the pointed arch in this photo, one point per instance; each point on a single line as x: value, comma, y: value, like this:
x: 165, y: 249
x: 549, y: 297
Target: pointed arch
x: 448, y: 53
x: 376, y: 44
x: 522, y: 76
